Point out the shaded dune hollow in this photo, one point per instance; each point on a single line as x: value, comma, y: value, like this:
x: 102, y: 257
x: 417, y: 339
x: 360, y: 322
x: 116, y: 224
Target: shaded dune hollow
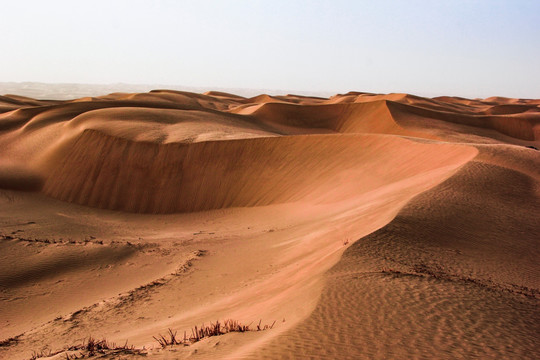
x: 108, y: 172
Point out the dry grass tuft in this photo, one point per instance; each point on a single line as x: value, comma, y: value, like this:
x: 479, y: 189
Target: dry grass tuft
x: 41, y: 354
x: 94, y: 347
x: 199, y: 333
x: 89, y: 348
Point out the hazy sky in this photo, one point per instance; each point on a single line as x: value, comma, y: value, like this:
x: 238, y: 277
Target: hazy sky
x: 469, y: 48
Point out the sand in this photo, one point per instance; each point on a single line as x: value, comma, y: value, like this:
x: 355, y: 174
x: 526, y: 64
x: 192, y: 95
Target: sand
x: 362, y: 225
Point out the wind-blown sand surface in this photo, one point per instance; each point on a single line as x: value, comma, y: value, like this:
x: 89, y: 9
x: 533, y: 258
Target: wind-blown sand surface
x: 365, y: 225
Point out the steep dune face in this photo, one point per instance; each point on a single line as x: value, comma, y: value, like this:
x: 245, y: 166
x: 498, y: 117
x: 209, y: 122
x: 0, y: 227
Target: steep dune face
x: 371, y: 117
x: 367, y: 225
x: 520, y: 125
x: 221, y: 174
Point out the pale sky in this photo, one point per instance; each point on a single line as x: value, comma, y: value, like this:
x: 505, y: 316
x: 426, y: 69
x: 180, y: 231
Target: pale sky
x: 460, y: 47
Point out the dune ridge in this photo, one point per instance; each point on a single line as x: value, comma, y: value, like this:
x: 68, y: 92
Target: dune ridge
x: 219, y: 174
x: 444, y: 251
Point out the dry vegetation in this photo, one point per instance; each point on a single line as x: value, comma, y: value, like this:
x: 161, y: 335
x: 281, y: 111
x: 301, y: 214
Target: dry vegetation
x: 90, y: 348
x: 214, y: 329
x: 93, y: 347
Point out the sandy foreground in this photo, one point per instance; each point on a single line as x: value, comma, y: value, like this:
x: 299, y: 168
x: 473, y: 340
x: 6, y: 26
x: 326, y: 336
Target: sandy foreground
x: 357, y: 226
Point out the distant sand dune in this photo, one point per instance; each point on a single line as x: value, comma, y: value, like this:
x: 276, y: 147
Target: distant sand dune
x: 520, y: 126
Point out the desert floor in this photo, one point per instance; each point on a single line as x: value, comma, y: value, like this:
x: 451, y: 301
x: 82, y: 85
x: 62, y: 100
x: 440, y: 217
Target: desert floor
x: 356, y: 226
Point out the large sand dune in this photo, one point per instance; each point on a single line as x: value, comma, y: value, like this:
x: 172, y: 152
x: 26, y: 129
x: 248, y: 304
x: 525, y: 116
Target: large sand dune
x: 365, y: 225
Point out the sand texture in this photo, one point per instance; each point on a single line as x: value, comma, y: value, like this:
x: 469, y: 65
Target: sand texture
x: 360, y: 226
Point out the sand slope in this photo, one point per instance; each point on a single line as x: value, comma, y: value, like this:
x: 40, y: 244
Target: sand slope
x: 365, y: 225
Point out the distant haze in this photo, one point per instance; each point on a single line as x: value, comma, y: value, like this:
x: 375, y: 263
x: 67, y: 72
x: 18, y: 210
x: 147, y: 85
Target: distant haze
x: 461, y: 47
x: 66, y: 91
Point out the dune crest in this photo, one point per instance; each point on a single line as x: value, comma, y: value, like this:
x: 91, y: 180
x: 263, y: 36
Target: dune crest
x: 221, y: 174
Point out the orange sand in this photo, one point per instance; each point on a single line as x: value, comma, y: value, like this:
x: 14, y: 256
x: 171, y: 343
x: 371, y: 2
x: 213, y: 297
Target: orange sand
x: 366, y: 225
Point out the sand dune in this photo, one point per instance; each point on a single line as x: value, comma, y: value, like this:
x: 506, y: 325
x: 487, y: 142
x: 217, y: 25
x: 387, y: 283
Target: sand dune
x: 365, y: 225
x: 449, y: 266
x: 222, y: 174
x: 521, y: 125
